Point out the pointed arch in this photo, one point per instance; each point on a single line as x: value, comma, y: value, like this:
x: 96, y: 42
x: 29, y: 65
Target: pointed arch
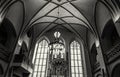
x: 43, y: 38
x: 40, y: 58
x: 110, y: 36
x: 7, y: 34
x: 76, y: 61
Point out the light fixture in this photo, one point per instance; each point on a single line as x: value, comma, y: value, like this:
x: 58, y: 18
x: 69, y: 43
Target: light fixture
x: 57, y: 58
x: 57, y: 49
x: 57, y: 34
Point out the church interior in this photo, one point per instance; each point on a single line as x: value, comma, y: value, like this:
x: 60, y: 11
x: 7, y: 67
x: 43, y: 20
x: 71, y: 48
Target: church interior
x: 59, y: 38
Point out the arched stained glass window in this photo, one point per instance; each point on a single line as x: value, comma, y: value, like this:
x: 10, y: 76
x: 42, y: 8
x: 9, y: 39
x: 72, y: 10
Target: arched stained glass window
x: 76, y: 63
x: 41, y: 58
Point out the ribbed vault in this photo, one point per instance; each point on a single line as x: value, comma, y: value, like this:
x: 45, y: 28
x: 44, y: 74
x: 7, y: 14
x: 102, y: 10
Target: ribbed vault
x: 59, y: 12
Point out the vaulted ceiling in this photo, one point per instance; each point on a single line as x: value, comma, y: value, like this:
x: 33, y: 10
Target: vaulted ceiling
x: 74, y: 15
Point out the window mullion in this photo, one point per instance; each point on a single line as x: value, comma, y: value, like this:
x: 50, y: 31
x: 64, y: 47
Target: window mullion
x: 74, y: 58
x: 76, y: 55
x: 44, y: 48
x: 40, y: 59
x: 46, y: 60
x: 41, y: 48
x: 77, y: 59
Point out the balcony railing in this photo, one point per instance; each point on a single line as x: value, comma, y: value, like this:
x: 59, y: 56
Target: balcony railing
x: 113, y: 53
x: 20, y: 60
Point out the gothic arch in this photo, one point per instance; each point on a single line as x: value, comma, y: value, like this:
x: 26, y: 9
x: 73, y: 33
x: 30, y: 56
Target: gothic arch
x: 76, y: 59
x: 16, y: 14
x: 40, y: 58
x: 42, y: 38
x: 7, y: 34
x: 36, y: 46
x: 79, y: 40
x: 109, y: 35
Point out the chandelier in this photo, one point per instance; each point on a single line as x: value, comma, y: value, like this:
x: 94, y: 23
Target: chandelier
x: 57, y: 58
x: 57, y: 48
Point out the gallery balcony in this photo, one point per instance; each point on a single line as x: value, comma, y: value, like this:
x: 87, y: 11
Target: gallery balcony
x: 113, y: 53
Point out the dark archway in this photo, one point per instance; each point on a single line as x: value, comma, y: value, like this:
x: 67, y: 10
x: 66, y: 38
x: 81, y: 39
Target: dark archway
x: 7, y: 35
x: 3, y: 33
x: 116, y: 71
x: 110, y: 36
